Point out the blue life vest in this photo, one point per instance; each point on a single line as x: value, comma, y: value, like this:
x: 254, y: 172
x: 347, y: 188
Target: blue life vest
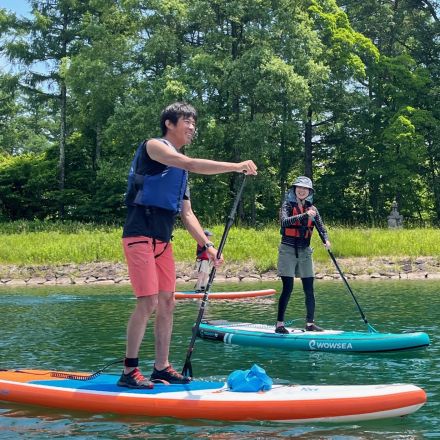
x: 162, y: 190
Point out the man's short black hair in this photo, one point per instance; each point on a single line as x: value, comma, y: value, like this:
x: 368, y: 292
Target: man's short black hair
x: 174, y: 111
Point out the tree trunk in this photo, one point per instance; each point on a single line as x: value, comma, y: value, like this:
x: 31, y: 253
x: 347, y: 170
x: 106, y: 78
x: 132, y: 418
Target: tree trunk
x: 284, y: 153
x: 435, y: 184
x: 63, y: 124
x: 393, y: 30
x: 308, y: 146
x: 62, y: 162
x: 98, y: 147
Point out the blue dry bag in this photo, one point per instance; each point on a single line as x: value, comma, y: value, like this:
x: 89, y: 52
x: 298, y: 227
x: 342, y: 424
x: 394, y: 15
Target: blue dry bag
x: 249, y: 381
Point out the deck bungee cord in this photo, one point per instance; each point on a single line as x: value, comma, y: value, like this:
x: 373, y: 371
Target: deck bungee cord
x: 66, y: 375
x: 63, y: 375
x: 260, y: 325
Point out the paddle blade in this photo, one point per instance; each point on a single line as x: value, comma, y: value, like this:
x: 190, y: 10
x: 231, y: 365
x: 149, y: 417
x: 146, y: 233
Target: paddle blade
x: 187, y: 369
x: 371, y: 329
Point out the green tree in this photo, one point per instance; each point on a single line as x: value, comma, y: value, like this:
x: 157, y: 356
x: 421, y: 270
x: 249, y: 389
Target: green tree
x: 42, y: 44
x: 403, y: 103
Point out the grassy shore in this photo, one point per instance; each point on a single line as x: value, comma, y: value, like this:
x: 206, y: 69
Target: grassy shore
x: 35, y: 243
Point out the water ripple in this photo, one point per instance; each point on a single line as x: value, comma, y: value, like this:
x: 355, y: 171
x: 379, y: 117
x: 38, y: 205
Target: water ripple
x: 83, y: 328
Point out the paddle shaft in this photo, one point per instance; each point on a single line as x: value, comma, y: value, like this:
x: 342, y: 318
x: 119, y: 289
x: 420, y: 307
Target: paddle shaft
x: 187, y: 368
x: 342, y: 275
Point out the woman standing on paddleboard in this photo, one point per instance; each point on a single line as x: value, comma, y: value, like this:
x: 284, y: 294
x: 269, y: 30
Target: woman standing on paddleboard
x: 298, y: 217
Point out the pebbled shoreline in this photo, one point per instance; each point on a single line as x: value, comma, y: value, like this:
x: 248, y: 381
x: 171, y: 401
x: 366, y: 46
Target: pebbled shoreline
x: 422, y: 268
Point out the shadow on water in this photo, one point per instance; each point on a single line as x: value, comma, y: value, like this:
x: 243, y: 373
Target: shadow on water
x: 83, y: 328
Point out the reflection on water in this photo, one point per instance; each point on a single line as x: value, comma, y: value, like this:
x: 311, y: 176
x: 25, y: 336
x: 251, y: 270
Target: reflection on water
x: 83, y: 328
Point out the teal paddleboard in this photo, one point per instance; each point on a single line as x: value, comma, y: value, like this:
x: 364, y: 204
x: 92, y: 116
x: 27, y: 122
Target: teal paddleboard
x: 261, y: 335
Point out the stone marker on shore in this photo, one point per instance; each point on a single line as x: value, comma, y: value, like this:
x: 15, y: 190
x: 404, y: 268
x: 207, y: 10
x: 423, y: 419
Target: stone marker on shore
x: 395, y: 220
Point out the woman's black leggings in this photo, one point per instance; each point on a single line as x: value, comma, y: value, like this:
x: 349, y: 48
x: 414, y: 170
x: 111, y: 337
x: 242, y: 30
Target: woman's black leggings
x: 287, y: 291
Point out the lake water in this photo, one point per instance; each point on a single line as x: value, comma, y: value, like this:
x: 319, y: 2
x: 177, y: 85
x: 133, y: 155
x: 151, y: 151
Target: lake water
x: 83, y: 328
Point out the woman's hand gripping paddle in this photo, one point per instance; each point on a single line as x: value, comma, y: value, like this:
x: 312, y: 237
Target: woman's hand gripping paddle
x: 187, y: 368
x: 370, y: 327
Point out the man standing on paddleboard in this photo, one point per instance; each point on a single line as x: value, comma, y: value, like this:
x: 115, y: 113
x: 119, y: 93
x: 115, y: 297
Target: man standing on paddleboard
x: 158, y: 192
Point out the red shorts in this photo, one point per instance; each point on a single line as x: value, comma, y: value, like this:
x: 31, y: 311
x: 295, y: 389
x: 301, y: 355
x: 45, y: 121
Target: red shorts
x: 151, y: 268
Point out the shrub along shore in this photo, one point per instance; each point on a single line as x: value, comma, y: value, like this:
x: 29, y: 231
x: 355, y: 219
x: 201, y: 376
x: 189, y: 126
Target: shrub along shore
x: 65, y: 253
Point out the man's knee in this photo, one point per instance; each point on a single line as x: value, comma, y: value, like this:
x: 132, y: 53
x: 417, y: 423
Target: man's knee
x: 147, y: 304
x: 166, y: 301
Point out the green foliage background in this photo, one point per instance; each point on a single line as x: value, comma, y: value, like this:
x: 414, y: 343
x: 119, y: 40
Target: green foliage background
x: 346, y: 92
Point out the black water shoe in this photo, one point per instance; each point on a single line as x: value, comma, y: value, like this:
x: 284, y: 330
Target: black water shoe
x: 134, y: 379
x: 169, y: 375
x: 313, y: 328
x: 281, y: 329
